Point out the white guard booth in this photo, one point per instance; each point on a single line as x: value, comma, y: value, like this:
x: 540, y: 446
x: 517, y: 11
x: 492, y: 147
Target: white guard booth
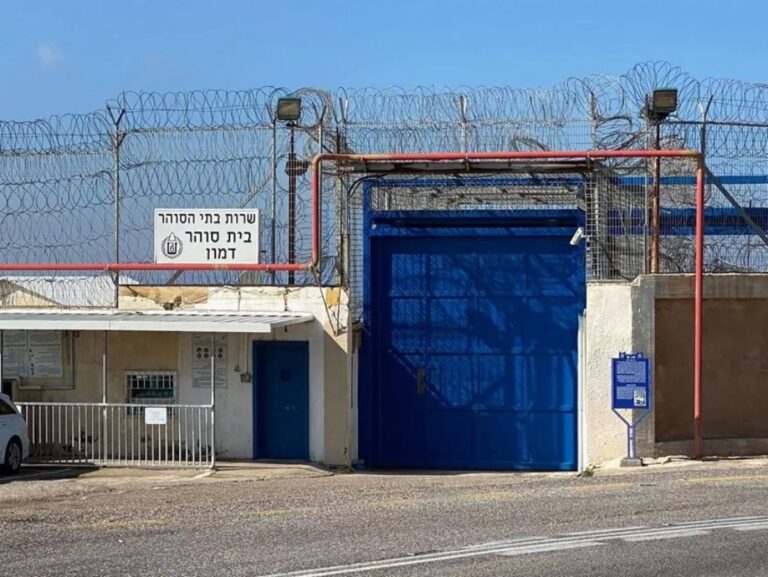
x: 67, y: 367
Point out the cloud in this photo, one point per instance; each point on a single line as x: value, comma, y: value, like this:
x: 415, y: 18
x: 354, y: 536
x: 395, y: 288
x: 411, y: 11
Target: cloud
x: 49, y: 55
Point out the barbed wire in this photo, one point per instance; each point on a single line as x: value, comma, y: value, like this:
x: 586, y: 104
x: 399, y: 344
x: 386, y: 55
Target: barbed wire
x: 221, y: 148
x: 595, y: 98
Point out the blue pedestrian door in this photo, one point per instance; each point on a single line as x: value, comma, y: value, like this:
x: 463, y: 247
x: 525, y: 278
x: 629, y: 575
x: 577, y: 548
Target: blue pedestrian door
x: 472, y: 343
x: 281, y: 400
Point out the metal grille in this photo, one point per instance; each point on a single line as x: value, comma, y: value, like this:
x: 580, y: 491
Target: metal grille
x: 617, y: 221
x: 736, y: 197
x: 613, y: 198
x: 150, y: 387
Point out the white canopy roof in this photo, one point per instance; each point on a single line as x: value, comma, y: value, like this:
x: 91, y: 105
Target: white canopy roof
x: 149, y: 320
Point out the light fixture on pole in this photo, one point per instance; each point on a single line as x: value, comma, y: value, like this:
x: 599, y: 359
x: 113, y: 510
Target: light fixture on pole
x: 289, y: 111
x: 661, y: 103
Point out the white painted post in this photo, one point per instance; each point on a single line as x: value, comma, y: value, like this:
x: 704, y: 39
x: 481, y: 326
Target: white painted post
x: 213, y: 400
x: 581, y: 397
x: 104, y: 347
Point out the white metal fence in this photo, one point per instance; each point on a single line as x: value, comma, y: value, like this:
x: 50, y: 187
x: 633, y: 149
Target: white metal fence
x: 120, y: 434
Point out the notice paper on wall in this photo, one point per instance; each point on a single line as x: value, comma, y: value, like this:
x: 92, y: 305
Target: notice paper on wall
x: 202, y: 349
x: 32, y: 354
x: 44, y: 353
x: 15, y: 354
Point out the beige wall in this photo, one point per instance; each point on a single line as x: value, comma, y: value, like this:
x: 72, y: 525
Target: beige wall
x: 126, y: 351
x: 735, y: 363
x: 603, y: 436
x: 617, y: 320
x: 654, y: 315
x: 338, y: 405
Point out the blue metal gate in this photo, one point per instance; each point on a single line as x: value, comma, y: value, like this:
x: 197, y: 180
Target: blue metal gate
x: 469, y: 358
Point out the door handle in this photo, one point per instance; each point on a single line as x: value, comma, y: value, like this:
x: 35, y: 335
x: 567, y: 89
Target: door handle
x: 421, y: 381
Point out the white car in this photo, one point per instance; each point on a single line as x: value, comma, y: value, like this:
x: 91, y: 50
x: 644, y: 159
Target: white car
x: 14, y: 442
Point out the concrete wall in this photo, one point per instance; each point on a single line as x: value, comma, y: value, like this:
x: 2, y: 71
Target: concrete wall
x: 329, y: 379
x: 608, y: 330
x: 654, y: 315
x: 735, y: 363
x: 619, y: 319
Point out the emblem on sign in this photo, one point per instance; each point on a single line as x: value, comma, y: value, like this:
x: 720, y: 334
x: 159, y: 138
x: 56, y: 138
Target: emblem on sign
x: 172, y: 246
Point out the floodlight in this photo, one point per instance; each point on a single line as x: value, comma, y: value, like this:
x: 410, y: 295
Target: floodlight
x: 289, y: 108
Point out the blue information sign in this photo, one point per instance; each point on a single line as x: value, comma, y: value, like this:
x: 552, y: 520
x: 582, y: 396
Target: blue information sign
x: 631, y: 381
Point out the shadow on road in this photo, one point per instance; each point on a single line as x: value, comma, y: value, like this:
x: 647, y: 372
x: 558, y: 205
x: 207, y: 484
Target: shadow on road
x: 43, y: 473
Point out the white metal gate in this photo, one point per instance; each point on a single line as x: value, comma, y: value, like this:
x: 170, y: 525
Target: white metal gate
x: 120, y: 434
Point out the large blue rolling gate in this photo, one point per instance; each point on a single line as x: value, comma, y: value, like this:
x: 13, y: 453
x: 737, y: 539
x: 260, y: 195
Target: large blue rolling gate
x: 469, y: 358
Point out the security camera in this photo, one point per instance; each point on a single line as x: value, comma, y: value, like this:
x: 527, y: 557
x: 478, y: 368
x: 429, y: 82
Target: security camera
x: 577, y: 236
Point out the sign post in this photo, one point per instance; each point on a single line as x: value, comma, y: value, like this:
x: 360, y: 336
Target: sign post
x: 631, y: 390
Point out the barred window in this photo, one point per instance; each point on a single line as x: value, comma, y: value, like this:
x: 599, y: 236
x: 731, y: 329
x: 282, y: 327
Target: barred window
x: 150, y: 387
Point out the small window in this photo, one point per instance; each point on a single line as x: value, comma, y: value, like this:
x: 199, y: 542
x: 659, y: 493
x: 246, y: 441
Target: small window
x: 150, y: 388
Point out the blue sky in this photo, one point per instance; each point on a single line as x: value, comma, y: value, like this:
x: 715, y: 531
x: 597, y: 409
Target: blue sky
x: 60, y: 56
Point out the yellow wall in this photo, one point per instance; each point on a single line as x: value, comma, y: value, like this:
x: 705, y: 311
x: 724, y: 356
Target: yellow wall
x: 337, y: 400
x: 126, y: 351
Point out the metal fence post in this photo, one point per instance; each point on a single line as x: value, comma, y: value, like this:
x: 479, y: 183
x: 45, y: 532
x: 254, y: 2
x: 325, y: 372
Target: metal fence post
x: 704, y: 111
x: 320, y: 151
x: 213, y: 400
x: 117, y: 141
x: 656, y: 202
x: 463, y: 116
x: 273, y: 202
x: 103, y: 428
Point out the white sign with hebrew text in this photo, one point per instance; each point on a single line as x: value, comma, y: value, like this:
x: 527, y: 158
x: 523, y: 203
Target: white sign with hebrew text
x: 207, y: 235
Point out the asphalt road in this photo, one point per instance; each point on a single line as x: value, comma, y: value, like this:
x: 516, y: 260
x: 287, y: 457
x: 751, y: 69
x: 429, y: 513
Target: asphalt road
x: 688, y: 521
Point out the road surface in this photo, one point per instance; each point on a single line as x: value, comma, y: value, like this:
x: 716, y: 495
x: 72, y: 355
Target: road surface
x: 685, y: 521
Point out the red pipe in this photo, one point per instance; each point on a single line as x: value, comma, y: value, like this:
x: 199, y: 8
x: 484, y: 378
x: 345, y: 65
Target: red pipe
x: 448, y: 156
x: 149, y: 266
x: 698, y: 313
x: 316, y: 190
